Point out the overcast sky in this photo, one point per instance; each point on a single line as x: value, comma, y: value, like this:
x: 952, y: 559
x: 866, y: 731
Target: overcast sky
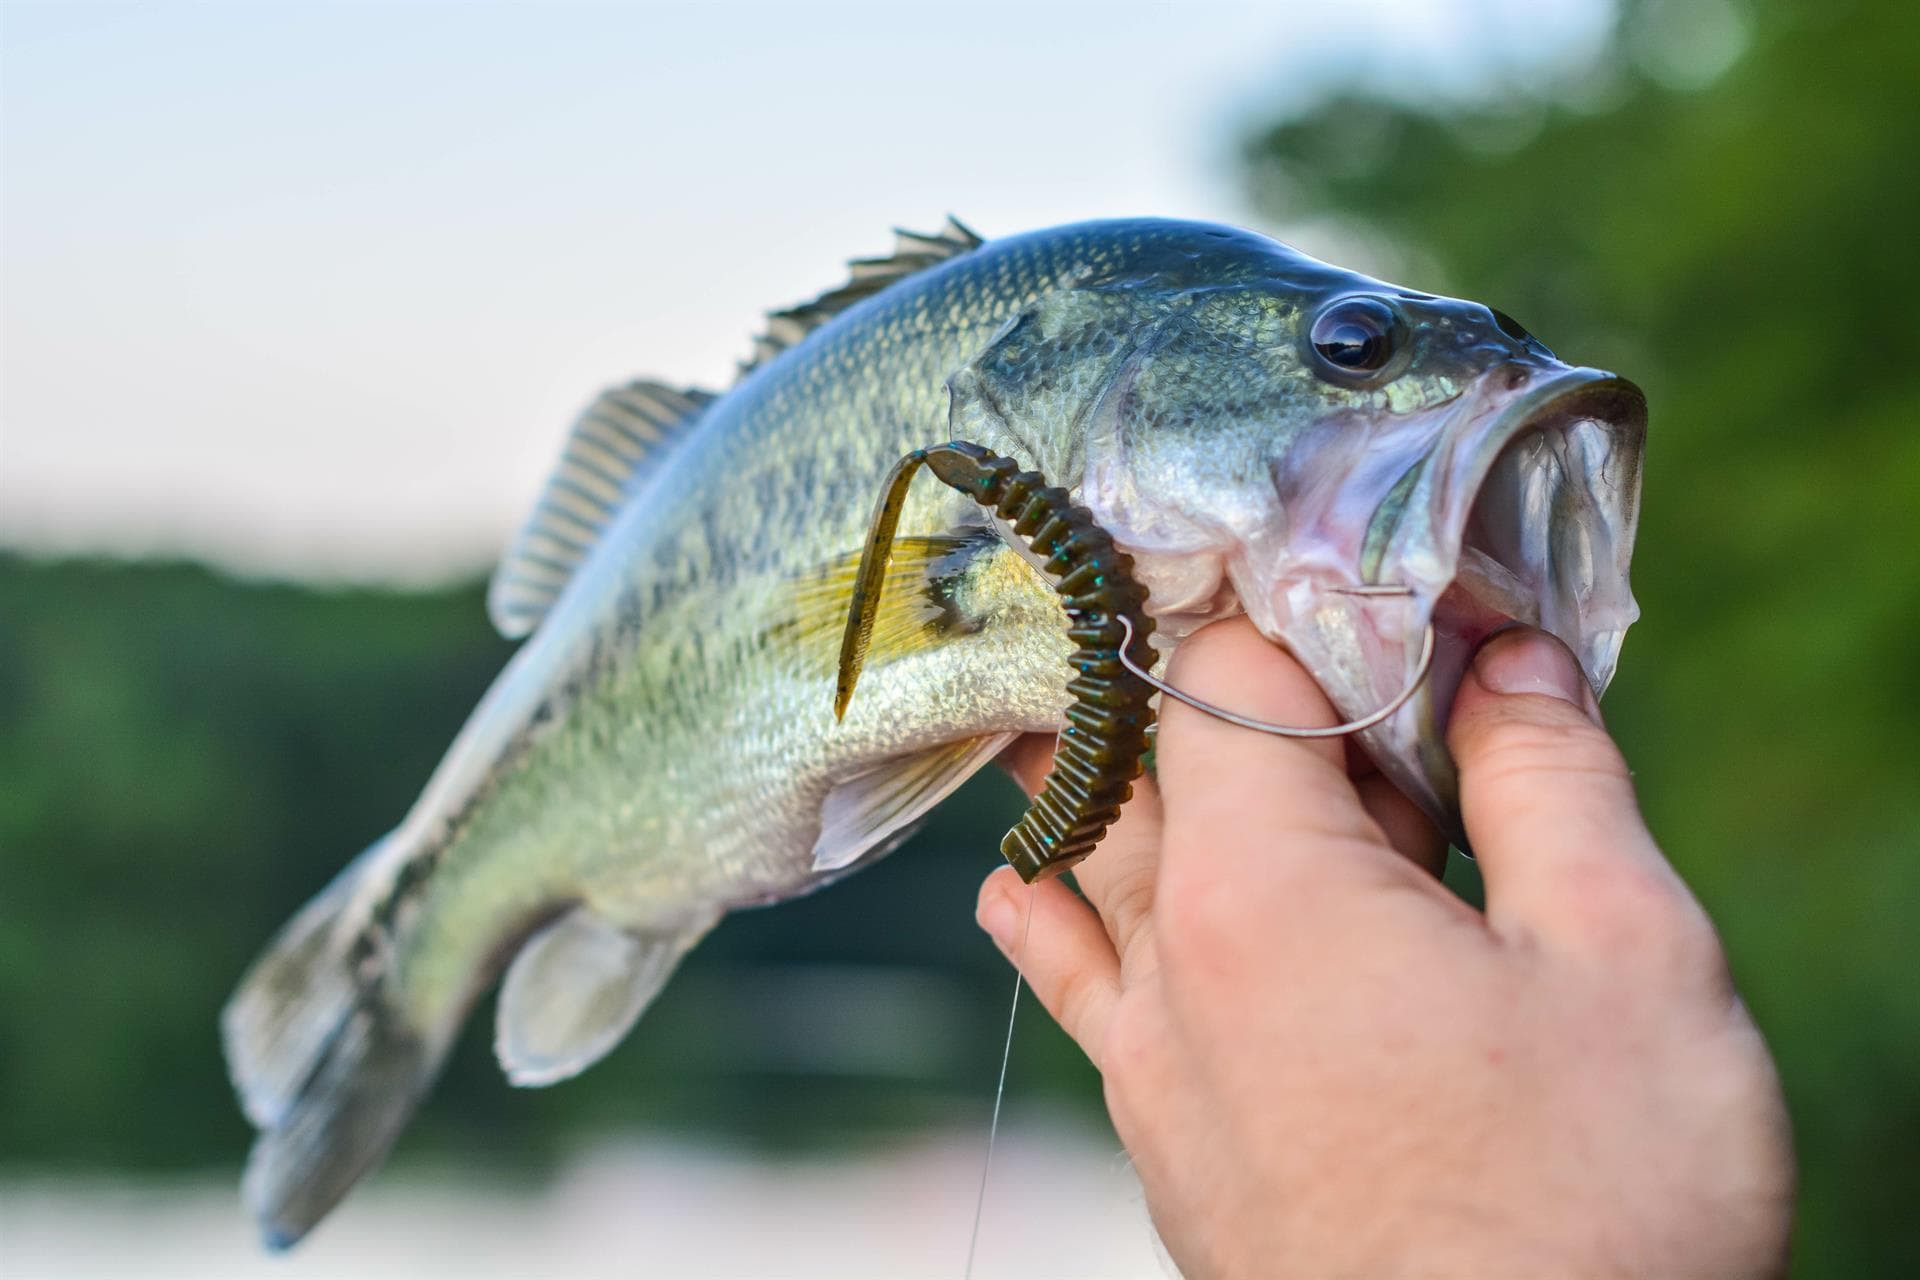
x: 314, y: 289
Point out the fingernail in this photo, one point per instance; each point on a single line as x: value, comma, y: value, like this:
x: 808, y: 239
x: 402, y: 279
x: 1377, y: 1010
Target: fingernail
x: 1526, y: 661
x: 995, y: 915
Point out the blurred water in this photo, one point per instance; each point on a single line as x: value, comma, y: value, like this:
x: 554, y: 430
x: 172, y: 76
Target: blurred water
x: 1063, y: 1202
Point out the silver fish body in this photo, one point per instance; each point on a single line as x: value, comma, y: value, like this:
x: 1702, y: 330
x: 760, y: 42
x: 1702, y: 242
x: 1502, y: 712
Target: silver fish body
x: 664, y: 747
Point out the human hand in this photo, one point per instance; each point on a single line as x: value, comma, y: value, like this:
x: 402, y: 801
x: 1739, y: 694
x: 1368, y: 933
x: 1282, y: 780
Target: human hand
x: 1323, y: 1063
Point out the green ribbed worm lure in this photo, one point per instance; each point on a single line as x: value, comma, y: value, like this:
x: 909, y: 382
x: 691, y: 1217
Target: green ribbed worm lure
x: 1105, y: 740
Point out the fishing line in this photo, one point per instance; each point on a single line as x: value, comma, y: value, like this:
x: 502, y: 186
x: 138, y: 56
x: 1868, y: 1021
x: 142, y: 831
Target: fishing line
x: 1000, y: 1089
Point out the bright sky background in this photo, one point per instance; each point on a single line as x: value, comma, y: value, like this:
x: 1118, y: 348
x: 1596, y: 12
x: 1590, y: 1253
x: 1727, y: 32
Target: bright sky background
x: 314, y: 289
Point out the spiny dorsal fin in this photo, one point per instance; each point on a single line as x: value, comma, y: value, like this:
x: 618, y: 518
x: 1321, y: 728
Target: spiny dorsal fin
x: 614, y: 446
x: 913, y: 251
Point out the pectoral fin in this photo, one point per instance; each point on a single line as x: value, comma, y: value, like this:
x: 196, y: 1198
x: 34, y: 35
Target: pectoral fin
x: 872, y: 811
x: 916, y: 606
x: 575, y: 990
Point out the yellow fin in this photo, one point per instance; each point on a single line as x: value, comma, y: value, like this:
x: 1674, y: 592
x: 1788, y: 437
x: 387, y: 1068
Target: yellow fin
x: 914, y: 612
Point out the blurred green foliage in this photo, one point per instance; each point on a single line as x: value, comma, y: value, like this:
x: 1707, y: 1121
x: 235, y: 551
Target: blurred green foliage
x: 1745, y: 248
x: 184, y: 759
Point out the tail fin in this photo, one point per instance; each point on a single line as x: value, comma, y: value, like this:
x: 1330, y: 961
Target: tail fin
x: 325, y: 1067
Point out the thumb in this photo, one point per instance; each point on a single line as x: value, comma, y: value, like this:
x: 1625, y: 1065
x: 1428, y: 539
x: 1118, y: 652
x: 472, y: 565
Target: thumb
x: 1548, y: 801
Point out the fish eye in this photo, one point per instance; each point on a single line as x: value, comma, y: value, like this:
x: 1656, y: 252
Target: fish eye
x: 1356, y: 336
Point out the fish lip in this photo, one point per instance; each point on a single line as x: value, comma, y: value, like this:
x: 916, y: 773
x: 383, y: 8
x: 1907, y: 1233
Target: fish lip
x: 1468, y: 459
x: 1430, y: 538
x: 1294, y: 577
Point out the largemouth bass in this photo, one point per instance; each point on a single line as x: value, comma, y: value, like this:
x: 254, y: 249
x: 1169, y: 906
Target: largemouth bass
x: 1260, y: 431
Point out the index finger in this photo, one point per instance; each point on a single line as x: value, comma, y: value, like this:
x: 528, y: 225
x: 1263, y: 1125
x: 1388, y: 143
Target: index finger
x: 1249, y: 807
x: 1549, y: 802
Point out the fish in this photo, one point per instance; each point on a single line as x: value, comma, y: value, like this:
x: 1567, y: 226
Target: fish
x: 1347, y: 462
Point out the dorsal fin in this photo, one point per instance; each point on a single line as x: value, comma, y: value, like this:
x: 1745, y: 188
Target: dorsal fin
x: 612, y: 449
x: 913, y: 251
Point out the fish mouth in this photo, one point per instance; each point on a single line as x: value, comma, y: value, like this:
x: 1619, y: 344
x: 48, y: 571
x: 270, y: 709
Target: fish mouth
x: 1523, y: 513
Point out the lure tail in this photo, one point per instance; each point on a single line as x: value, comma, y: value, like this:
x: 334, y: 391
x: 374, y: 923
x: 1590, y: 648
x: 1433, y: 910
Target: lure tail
x: 326, y: 1067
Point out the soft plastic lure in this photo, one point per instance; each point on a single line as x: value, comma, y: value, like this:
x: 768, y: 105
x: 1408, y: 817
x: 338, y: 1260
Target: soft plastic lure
x: 1103, y: 743
x: 1105, y: 738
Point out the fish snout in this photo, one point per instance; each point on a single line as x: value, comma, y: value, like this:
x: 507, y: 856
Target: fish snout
x: 1523, y: 510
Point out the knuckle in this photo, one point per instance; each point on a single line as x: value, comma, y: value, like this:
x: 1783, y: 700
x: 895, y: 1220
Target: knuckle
x: 1636, y: 912
x: 1191, y: 916
x: 1132, y: 1045
x: 1685, y: 944
x: 1127, y: 901
x: 1205, y: 920
x: 1074, y: 993
x: 1522, y: 754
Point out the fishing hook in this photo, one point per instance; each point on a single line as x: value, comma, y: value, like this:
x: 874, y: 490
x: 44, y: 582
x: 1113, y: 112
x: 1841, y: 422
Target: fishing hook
x: 1284, y: 730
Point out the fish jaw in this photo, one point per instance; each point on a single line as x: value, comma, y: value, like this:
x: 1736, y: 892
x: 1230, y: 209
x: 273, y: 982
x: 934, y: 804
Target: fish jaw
x: 1521, y: 509
x: 1515, y: 501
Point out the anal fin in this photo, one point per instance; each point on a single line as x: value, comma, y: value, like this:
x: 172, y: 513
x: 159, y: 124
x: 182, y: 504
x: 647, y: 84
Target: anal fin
x: 575, y: 989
